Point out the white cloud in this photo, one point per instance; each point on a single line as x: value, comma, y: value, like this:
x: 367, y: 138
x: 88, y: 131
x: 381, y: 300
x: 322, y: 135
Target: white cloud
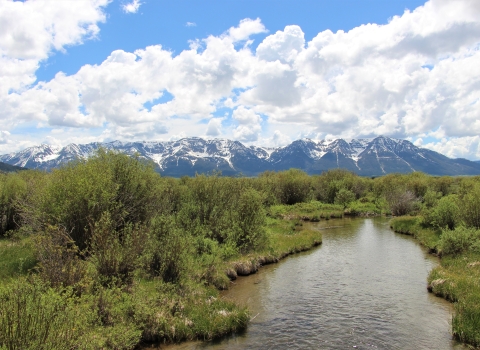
x: 246, y: 28
x: 283, y: 46
x: 417, y: 76
x: 191, y: 24
x: 249, y: 127
x: 4, y: 137
x: 31, y: 30
x: 280, y: 139
x: 464, y: 147
x: 131, y: 7
x: 214, y: 127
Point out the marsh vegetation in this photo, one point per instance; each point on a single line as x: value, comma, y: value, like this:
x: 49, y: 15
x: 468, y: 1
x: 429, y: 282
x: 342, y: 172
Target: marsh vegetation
x: 105, y: 253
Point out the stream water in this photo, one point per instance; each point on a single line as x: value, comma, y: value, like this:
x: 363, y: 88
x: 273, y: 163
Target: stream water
x: 363, y: 288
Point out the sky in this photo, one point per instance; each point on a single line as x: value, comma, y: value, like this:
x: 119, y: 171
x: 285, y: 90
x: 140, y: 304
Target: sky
x: 263, y: 72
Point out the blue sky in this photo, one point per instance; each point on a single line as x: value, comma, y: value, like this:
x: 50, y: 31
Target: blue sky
x: 173, y: 24
x: 263, y: 72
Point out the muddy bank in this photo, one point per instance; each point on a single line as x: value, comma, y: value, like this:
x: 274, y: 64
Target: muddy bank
x: 251, y: 266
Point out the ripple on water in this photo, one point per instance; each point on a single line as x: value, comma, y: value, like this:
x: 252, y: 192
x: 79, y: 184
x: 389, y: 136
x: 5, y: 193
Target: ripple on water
x: 364, y: 288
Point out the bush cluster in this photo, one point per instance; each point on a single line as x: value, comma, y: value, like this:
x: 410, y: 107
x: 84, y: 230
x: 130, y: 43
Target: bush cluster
x: 133, y: 252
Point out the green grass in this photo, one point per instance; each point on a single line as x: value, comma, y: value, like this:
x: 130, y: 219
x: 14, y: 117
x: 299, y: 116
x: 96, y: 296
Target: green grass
x: 413, y: 225
x: 362, y: 208
x: 149, y: 310
x: 290, y: 236
x: 457, y: 279
x: 312, y: 211
x: 174, y: 313
x: 16, y: 258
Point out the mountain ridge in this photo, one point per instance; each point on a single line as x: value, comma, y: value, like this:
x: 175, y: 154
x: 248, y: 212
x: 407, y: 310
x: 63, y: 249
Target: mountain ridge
x: 187, y: 156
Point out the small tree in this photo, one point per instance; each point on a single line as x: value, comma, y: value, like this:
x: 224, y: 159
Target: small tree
x: 344, y: 197
x: 446, y: 212
x: 250, y: 221
x: 471, y: 207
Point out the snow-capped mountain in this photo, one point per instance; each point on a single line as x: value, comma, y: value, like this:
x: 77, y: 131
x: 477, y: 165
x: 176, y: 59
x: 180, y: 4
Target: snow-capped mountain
x: 369, y: 157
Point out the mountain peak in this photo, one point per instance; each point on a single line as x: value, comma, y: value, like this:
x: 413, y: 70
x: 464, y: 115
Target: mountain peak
x: 187, y: 156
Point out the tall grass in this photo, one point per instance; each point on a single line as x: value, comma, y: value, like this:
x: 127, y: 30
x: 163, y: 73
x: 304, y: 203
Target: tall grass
x: 17, y: 257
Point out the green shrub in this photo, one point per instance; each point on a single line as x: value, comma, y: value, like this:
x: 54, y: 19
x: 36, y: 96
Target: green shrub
x: 58, y: 258
x: 167, y: 251
x: 115, y: 253
x: 446, y: 213
x: 293, y: 186
x: 77, y: 195
x: 344, y: 197
x: 430, y: 199
x: 470, y: 207
x: 327, y: 185
x: 35, y: 317
x: 250, y: 222
x: 460, y: 240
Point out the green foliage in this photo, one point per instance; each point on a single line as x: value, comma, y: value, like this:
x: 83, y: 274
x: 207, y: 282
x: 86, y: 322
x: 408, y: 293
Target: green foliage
x: 446, y: 212
x: 133, y: 254
x: 77, y: 195
x: 460, y: 240
x: 58, y: 258
x: 431, y: 198
x: 33, y: 316
x: 313, y: 211
x: 443, y: 185
x: 167, y: 250
x: 292, y: 186
x: 406, y: 224
x: 329, y: 183
x: 418, y: 183
x: 344, y: 197
x: 250, y: 219
x: 12, y: 188
x: 470, y: 207
x: 17, y: 257
x: 359, y: 208
x: 115, y: 253
x: 415, y: 226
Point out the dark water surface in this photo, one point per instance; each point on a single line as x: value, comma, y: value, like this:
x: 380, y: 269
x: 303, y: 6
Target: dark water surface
x: 364, y: 288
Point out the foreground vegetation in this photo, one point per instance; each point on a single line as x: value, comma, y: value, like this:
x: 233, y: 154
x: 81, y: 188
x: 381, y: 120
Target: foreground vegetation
x: 449, y: 225
x: 106, y: 254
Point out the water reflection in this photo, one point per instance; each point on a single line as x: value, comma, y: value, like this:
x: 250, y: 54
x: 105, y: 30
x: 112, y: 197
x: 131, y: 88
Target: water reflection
x: 364, y: 288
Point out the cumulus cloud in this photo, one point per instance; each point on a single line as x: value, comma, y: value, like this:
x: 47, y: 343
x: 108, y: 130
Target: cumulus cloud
x: 280, y: 139
x: 4, y: 136
x: 214, y: 127
x: 249, y: 127
x: 131, y: 7
x: 464, y: 147
x: 191, y: 24
x: 417, y: 76
x: 245, y: 29
x: 31, y: 30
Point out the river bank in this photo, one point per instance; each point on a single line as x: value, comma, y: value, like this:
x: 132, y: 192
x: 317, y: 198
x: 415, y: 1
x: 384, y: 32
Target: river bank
x: 151, y: 311
x: 456, y: 279
x: 334, y: 297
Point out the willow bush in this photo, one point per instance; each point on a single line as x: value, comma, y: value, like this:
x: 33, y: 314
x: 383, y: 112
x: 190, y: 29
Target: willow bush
x: 78, y: 194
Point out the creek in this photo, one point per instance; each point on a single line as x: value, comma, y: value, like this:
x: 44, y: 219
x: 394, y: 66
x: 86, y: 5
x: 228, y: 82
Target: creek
x: 365, y: 287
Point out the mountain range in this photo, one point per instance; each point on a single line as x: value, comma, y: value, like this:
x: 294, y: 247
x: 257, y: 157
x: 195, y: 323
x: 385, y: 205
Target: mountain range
x: 367, y: 157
